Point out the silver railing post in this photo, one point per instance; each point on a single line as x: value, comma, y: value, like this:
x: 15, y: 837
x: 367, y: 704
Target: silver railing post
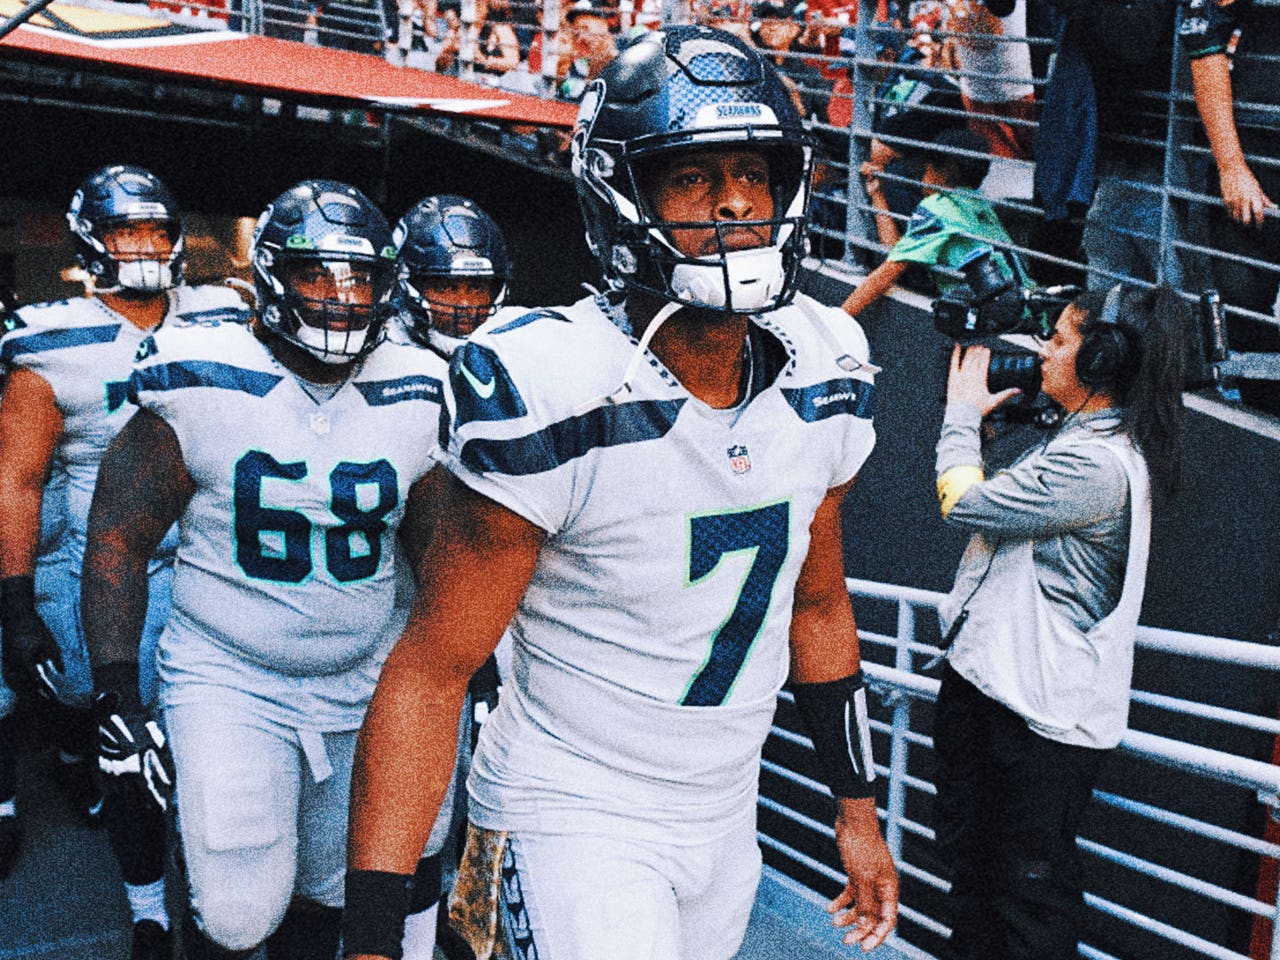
x: 896, y: 802
x: 856, y: 222
x: 1171, y: 164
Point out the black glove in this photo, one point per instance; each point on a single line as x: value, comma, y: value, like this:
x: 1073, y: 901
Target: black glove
x: 133, y: 754
x: 31, y: 659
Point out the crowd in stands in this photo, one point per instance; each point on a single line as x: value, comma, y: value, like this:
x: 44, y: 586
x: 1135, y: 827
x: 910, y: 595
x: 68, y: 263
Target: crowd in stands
x: 1071, y: 101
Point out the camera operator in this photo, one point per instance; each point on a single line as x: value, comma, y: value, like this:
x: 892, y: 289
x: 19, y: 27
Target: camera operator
x: 1041, y: 621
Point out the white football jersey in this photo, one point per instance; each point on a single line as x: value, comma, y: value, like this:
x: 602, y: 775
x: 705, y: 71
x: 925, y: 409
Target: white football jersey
x: 85, y: 350
x: 286, y: 568
x: 653, y: 638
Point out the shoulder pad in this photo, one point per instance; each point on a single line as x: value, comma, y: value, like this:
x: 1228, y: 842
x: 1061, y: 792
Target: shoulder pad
x: 832, y: 336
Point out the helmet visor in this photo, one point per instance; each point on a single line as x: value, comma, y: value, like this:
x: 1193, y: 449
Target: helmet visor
x: 129, y: 240
x: 336, y: 304
x: 457, y: 305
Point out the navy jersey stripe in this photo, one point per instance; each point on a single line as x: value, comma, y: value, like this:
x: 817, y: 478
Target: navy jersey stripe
x: 569, y: 439
x: 381, y: 393
x: 57, y: 340
x: 832, y: 398
x: 201, y: 373
x: 527, y: 318
x: 214, y: 316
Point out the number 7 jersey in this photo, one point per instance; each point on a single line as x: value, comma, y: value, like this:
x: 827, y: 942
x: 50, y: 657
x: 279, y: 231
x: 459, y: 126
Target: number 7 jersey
x: 285, y: 574
x: 653, y: 638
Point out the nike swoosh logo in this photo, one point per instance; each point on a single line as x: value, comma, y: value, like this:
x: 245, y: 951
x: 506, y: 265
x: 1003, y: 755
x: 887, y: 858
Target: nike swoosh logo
x: 482, y: 388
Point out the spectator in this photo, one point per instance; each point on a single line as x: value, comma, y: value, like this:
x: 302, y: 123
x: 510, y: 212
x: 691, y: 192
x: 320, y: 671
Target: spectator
x: 912, y: 104
x: 1110, y: 82
x: 450, y: 32
x: 591, y: 47
x: 777, y: 29
x: 497, y: 47
x: 726, y: 15
x: 996, y: 74
x: 950, y: 226
x: 1245, y: 139
x: 417, y: 37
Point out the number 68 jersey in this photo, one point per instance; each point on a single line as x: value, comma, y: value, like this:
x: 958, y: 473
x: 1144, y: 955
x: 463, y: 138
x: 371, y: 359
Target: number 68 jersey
x: 653, y: 638
x: 285, y: 572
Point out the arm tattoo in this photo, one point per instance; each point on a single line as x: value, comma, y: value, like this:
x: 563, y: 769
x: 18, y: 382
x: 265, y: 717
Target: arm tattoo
x: 143, y: 488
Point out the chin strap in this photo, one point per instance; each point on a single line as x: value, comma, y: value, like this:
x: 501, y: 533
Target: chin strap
x: 633, y: 367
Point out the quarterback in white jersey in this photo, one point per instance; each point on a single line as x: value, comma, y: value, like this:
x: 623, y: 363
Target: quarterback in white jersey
x: 648, y: 490
x: 65, y: 400
x: 289, y: 454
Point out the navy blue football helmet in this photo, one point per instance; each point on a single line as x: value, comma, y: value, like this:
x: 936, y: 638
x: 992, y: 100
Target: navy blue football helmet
x: 109, y: 199
x: 447, y: 237
x: 323, y: 268
x: 675, y: 91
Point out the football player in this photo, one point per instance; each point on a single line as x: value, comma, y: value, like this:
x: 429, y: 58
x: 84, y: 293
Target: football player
x: 289, y: 455
x: 452, y: 274
x: 48, y: 568
x: 452, y: 271
x: 650, y: 497
x: 64, y: 401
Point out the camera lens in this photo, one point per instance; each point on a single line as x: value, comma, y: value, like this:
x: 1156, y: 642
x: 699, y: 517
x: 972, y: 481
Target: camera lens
x: 1021, y: 370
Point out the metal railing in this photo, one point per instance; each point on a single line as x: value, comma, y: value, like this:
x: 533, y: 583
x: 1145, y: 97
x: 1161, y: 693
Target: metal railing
x: 1133, y: 890
x: 1174, y: 245
x: 840, y: 84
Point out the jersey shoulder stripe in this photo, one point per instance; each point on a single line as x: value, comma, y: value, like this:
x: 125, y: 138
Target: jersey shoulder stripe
x: 537, y: 373
x: 524, y: 319
x: 571, y: 438
x: 184, y: 374
x: 833, y: 375
x: 15, y: 346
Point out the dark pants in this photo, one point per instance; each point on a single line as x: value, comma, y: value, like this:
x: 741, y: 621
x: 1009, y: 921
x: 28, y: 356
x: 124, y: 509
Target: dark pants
x: 1242, y: 285
x: 1008, y: 808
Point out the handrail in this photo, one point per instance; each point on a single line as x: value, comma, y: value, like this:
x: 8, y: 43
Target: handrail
x: 900, y: 687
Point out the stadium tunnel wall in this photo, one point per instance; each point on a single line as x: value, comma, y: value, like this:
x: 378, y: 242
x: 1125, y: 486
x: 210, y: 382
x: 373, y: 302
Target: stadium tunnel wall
x: 1215, y: 566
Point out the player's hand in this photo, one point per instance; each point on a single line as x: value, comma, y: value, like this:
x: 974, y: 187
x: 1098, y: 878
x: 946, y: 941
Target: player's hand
x: 868, y: 905
x: 133, y: 755
x: 967, y: 381
x: 1243, y: 195
x: 30, y: 659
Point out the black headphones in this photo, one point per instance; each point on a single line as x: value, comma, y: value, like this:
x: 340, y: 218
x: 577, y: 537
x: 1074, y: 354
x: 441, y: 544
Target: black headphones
x: 1108, y: 356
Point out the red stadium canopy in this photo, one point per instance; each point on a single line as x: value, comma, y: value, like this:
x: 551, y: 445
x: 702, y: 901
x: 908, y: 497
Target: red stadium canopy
x: 135, y: 43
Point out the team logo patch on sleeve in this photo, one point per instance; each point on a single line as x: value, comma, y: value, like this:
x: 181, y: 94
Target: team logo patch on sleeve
x: 381, y: 393
x: 482, y: 388
x: 832, y: 398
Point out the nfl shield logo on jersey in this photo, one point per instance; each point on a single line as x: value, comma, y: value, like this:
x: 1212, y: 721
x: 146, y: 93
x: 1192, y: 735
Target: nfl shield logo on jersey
x: 739, y: 459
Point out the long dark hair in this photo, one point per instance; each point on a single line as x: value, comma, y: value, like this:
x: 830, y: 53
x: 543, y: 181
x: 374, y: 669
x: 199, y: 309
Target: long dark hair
x: 1148, y: 387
